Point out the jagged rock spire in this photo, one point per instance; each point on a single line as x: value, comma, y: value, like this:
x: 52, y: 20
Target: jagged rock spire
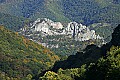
x: 73, y: 30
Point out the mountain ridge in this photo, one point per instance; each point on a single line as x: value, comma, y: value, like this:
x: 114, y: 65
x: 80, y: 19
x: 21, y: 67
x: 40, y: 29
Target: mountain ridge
x: 59, y: 37
x: 86, y: 12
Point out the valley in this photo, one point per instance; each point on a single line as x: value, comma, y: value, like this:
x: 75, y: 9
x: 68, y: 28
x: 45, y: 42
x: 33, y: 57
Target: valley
x: 59, y: 39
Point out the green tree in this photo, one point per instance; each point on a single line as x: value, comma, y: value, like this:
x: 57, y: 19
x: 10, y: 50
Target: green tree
x: 50, y: 76
x: 107, y: 68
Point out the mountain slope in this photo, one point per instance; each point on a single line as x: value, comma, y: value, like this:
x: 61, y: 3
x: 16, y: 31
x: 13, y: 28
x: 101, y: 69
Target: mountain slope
x: 106, y: 67
x: 61, y: 39
x: 33, y: 9
x: 91, y: 53
x: 12, y: 22
x: 20, y: 56
x: 92, y: 11
x: 83, y: 11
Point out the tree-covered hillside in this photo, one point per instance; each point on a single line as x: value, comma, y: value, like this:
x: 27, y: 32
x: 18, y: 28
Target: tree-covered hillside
x: 106, y: 68
x: 82, y: 11
x: 92, y: 11
x: 88, y: 65
x: 34, y: 9
x: 21, y: 58
x: 12, y: 22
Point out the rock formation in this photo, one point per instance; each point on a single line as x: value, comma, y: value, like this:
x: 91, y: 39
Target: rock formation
x: 44, y: 22
x: 73, y: 30
x: 80, y: 32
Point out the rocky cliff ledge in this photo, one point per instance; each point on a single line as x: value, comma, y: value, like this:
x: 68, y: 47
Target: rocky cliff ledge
x: 73, y: 29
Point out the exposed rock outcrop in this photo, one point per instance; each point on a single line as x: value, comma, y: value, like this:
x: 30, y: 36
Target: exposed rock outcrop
x: 80, y: 32
x: 65, y: 40
x: 44, y: 22
x: 73, y: 30
x: 45, y: 25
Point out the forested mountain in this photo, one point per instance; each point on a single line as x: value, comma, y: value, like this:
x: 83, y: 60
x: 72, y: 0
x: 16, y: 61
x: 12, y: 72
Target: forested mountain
x: 21, y: 58
x: 12, y: 22
x: 101, y: 15
x: 92, y: 11
x: 91, y: 64
x: 33, y: 9
x: 82, y: 11
x: 29, y: 27
x: 63, y: 40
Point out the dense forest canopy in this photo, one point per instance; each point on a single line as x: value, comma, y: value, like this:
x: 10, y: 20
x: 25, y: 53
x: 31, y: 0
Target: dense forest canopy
x: 24, y: 59
x: 83, y: 11
x: 20, y: 57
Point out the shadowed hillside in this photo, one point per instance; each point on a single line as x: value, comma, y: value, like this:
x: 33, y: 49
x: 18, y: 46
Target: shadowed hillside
x: 93, y: 66
x: 90, y: 54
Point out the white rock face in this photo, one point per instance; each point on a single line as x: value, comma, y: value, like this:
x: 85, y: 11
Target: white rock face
x: 57, y: 25
x: 80, y: 32
x: 46, y: 23
x: 73, y: 29
x: 42, y: 27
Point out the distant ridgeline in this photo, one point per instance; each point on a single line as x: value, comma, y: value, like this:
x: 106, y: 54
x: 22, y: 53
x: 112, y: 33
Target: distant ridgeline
x: 59, y: 37
x: 14, y: 14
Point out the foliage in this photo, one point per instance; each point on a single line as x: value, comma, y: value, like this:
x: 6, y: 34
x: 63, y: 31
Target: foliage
x: 12, y: 22
x: 106, y: 68
x: 89, y: 55
x: 92, y: 11
x: 83, y: 11
x: 34, y: 9
x: 50, y: 76
x: 68, y: 74
x: 20, y: 56
x: 62, y: 45
x: 103, y: 29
